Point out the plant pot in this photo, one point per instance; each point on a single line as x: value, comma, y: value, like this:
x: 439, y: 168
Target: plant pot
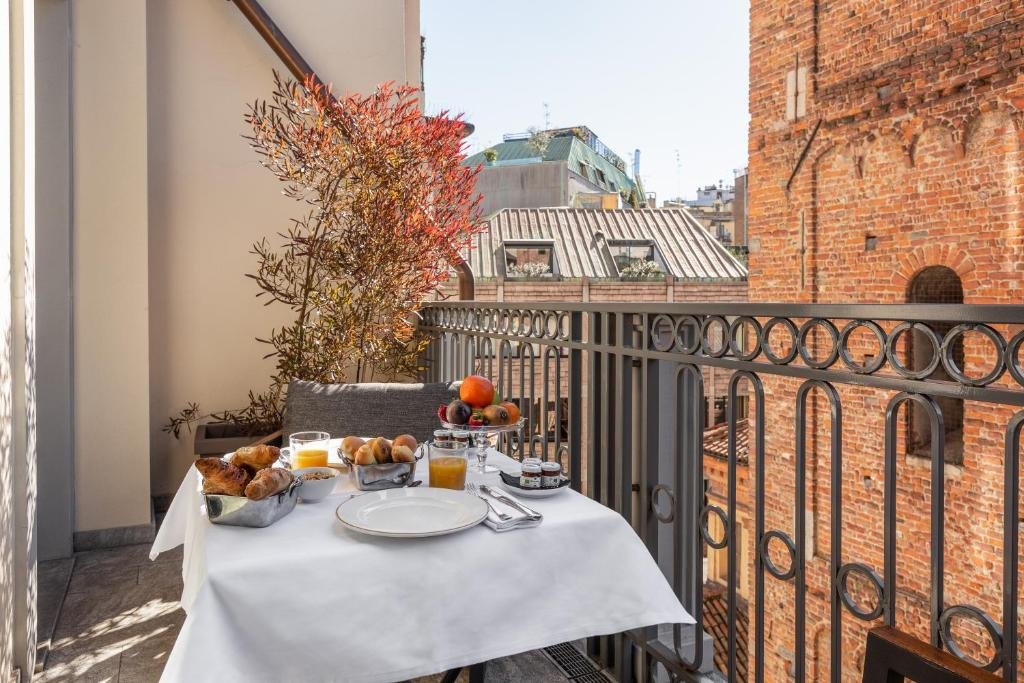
x: 218, y: 438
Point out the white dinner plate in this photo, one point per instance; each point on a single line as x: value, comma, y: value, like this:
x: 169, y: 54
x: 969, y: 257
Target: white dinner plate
x: 412, y: 512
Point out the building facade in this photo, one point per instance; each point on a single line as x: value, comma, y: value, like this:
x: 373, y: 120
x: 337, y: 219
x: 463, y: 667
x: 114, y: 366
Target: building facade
x: 558, y: 167
x: 886, y: 143
x: 722, y: 210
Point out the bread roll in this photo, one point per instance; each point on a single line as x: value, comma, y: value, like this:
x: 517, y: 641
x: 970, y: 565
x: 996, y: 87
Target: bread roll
x: 256, y: 458
x: 403, y: 448
x: 381, y: 449
x: 349, y: 446
x: 402, y: 453
x: 222, y: 477
x: 405, y: 440
x: 364, y: 456
x: 268, y: 482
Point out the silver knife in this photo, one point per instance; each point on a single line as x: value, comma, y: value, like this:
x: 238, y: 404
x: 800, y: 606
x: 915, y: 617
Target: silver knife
x: 509, y: 500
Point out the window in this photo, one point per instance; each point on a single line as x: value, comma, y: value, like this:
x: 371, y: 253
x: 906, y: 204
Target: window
x: 600, y: 176
x: 935, y: 285
x: 626, y: 254
x: 583, y: 170
x: 529, y: 259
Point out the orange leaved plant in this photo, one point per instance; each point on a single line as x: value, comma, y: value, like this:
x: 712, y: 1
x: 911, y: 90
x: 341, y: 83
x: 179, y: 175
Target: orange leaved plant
x: 387, y: 208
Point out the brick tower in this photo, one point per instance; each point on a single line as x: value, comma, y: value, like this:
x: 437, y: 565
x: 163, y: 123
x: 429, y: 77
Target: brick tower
x: 887, y: 166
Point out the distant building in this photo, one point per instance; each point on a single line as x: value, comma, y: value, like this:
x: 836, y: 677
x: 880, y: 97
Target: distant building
x: 567, y: 167
x: 721, y: 209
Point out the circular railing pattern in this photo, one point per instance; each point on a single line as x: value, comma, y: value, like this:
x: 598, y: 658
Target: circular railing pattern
x: 974, y: 614
x: 766, y: 560
x: 878, y: 358
x: 705, y: 531
x: 765, y: 341
x: 814, y: 342
x: 663, y: 517
x: 843, y: 588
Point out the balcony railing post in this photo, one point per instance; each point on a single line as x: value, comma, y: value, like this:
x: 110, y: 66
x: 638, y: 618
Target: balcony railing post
x: 575, y: 387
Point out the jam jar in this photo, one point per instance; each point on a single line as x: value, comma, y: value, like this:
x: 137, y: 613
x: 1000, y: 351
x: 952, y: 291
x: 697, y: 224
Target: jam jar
x: 550, y: 474
x: 443, y: 438
x: 530, y: 476
x: 460, y: 439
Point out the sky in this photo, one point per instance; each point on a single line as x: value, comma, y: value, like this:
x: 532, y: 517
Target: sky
x: 667, y: 77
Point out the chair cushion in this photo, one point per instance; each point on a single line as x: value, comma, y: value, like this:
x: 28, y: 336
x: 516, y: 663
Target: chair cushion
x: 369, y: 409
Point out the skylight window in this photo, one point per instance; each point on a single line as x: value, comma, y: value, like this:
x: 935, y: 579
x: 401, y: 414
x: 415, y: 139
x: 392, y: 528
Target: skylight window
x: 635, y: 256
x: 529, y: 259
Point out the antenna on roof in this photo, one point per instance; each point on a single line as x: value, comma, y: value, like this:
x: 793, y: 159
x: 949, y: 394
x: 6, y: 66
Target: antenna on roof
x: 547, y: 116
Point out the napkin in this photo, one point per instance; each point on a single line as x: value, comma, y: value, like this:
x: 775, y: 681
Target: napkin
x: 518, y: 520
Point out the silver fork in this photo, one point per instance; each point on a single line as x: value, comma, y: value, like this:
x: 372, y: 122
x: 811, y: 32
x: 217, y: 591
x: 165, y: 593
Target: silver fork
x: 471, y: 487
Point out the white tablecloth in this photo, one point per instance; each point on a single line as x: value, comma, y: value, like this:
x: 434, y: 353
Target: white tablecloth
x: 309, y: 600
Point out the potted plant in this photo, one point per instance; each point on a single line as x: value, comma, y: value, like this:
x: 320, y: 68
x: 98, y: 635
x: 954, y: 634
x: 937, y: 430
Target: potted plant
x: 386, y: 206
x: 490, y: 155
x: 642, y: 270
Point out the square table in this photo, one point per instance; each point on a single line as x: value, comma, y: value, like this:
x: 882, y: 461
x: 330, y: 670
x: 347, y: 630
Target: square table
x: 308, y: 599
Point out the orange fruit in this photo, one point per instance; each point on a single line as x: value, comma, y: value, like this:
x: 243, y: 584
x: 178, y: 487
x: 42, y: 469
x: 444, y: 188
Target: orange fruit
x: 513, y: 411
x: 477, y: 391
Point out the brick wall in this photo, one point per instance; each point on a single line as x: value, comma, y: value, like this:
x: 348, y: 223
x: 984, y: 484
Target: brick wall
x: 908, y: 155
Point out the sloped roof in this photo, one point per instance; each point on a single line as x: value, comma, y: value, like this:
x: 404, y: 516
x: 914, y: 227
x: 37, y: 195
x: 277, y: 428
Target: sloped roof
x: 566, y: 148
x: 580, y: 237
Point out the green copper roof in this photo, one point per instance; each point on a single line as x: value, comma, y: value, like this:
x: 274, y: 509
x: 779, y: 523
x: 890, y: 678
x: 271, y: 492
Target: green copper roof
x: 566, y: 148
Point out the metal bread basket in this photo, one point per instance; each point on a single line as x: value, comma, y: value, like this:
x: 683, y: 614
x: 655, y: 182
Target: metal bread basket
x: 388, y: 475
x: 241, y: 511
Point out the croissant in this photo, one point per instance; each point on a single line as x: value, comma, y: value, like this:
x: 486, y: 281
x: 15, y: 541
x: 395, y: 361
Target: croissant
x: 256, y: 458
x: 220, y: 476
x: 268, y: 482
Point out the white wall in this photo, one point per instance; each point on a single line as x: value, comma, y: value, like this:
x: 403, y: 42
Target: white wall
x: 208, y: 197
x: 110, y: 264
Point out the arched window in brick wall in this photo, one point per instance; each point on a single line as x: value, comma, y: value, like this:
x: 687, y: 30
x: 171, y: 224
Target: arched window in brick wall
x: 935, y: 285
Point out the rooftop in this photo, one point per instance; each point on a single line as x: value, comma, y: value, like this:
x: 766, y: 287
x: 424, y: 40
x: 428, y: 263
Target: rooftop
x: 564, y: 146
x: 685, y: 249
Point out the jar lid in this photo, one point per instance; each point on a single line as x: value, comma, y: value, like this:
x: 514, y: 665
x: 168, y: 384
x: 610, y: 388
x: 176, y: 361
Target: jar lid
x: 460, y: 432
x: 551, y: 467
x: 442, y: 432
x: 531, y: 461
x: 531, y: 468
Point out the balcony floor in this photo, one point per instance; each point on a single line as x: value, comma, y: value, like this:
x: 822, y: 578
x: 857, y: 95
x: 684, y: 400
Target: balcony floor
x: 120, y: 616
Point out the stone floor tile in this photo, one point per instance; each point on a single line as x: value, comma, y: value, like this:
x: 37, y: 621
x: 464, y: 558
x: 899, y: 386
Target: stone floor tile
x: 106, y: 558
x: 105, y: 580
x: 161, y: 575
x: 53, y: 579
x: 101, y: 666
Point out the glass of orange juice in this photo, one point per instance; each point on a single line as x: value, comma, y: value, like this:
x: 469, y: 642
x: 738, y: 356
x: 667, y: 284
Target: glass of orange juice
x: 447, y: 467
x: 309, y: 449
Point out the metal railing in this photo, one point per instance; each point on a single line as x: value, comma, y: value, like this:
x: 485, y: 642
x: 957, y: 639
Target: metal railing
x: 850, y: 528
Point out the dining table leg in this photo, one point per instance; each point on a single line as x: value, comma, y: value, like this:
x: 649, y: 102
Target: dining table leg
x: 476, y: 673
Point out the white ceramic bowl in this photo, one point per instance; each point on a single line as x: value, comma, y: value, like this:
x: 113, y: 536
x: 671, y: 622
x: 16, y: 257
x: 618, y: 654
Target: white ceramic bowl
x: 315, y: 490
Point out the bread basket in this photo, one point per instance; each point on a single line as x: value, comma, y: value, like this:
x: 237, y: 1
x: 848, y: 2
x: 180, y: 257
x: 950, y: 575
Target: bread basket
x: 241, y: 511
x: 388, y: 475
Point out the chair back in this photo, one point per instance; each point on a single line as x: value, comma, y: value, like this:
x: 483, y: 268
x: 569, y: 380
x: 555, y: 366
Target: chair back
x: 368, y: 409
